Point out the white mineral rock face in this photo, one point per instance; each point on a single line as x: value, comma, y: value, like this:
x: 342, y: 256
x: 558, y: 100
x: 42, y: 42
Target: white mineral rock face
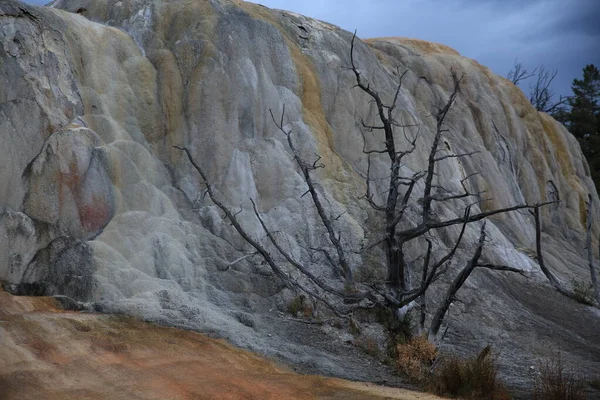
x: 95, y: 94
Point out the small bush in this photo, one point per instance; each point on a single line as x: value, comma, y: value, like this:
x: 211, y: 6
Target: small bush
x: 400, y: 330
x: 595, y: 384
x: 415, y: 358
x: 300, y: 305
x: 553, y: 382
x: 473, y: 378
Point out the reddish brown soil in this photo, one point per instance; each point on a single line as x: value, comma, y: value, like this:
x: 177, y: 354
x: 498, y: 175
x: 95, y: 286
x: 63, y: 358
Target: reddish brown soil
x: 46, y: 353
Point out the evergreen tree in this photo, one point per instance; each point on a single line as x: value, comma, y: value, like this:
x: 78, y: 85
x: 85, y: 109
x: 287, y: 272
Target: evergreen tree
x: 583, y: 120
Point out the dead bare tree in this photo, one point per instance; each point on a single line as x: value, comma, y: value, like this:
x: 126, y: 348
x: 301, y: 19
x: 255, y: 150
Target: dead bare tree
x: 396, y: 292
x: 542, y: 96
x: 397, y: 202
x: 519, y: 73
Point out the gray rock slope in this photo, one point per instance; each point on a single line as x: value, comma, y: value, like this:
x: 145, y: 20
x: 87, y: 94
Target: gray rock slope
x: 96, y: 204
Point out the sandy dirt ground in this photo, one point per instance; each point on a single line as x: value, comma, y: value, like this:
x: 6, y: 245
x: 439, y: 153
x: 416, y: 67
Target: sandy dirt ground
x: 47, y: 353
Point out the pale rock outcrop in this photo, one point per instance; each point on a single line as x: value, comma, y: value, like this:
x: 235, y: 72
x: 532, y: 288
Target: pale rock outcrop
x: 94, y: 94
x: 69, y: 184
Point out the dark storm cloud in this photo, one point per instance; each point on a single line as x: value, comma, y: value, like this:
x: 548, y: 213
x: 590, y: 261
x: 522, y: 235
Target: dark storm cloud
x: 584, y: 19
x: 561, y: 34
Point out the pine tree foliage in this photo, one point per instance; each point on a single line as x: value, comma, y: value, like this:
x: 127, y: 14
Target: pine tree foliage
x: 583, y: 118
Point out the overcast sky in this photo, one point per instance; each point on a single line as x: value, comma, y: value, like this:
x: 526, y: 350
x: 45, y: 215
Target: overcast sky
x: 561, y: 34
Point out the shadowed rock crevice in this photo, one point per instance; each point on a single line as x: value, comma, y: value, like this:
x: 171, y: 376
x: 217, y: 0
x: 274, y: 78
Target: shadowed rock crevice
x: 65, y: 267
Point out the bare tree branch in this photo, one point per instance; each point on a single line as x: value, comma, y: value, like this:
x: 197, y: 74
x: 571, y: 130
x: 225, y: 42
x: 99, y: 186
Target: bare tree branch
x: 254, y: 243
x: 502, y: 268
x: 421, y: 229
x: 304, y: 270
x: 440, y: 117
x: 433, y: 274
x: 237, y: 260
x: 329, y: 259
x: 305, y: 169
x: 369, y: 195
x: 519, y: 73
x: 438, y: 159
x: 460, y: 279
x: 542, y: 96
x: 290, y: 282
x: 540, y: 256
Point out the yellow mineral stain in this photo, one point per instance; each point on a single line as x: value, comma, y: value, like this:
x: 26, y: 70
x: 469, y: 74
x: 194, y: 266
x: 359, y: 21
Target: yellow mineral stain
x: 312, y: 109
x: 559, y: 146
x: 420, y: 46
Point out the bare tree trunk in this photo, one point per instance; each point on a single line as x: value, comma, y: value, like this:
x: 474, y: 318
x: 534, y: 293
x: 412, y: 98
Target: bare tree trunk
x: 395, y: 257
x: 590, y: 252
x: 395, y: 265
x: 424, y: 273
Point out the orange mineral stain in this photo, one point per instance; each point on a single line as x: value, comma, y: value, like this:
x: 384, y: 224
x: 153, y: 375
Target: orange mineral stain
x: 50, y: 354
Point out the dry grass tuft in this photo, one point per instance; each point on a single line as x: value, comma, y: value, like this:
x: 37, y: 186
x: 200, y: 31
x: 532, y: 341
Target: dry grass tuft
x: 553, y: 382
x: 415, y: 358
x: 472, y: 378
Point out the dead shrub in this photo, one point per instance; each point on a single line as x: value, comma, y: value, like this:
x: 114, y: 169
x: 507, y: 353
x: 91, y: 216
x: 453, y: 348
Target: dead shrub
x: 553, y: 382
x: 472, y: 378
x: 415, y: 358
